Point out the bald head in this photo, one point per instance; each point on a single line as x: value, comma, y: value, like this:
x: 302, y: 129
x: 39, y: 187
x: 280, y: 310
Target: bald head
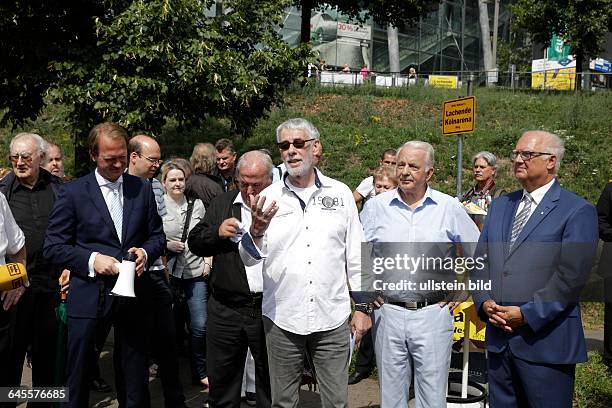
x: 254, y: 173
x: 145, y: 156
x: 537, y: 158
x: 550, y: 143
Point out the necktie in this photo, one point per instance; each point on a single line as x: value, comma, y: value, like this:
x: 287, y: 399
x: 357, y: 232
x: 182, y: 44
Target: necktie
x: 521, y: 218
x: 115, y: 207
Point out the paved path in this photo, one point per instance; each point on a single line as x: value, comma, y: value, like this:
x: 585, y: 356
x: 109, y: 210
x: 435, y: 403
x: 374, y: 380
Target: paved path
x: 364, y: 394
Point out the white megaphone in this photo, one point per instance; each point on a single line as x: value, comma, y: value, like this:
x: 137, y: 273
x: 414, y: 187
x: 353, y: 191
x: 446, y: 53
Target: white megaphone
x: 127, y: 273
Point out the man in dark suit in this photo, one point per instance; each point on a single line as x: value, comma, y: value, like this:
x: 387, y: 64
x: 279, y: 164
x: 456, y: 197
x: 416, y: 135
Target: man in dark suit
x: 234, y: 308
x: 604, y: 212
x: 537, y: 247
x: 96, y: 220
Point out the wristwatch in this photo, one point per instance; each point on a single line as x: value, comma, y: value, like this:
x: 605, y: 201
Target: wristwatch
x: 364, y: 308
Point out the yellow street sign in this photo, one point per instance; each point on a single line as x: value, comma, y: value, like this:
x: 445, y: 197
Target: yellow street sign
x: 443, y: 81
x: 459, y: 116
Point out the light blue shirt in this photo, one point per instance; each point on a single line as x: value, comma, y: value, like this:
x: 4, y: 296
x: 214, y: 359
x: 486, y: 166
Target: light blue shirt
x: 438, y: 218
x: 431, y: 229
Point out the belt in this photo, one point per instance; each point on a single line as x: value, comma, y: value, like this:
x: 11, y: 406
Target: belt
x: 428, y: 300
x: 254, y: 301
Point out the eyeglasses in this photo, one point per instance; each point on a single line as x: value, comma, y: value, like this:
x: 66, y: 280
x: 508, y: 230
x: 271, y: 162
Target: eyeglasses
x: 297, y: 143
x: 25, y: 157
x: 152, y: 160
x: 527, y: 155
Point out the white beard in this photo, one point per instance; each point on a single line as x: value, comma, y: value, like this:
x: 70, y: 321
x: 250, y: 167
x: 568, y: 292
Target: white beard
x: 304, y: 167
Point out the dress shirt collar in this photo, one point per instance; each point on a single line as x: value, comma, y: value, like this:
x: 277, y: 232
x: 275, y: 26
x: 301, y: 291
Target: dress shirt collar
x: 318, y: 180
x: 395, y: 199
x: 239, y: 200
x: 103, y: 182
x: 538, y: 194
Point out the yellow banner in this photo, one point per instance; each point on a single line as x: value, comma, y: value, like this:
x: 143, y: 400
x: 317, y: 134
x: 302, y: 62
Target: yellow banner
x: 477, y: 327
x: 558, y: 79
x: 443, y: 81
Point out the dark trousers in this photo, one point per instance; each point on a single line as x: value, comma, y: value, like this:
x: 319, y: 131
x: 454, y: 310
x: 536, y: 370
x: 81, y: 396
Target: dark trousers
x: 607, y: 351
x: 163, y: 336
x: 32, y: 322
x: 518, y: 383
x: 129, y: 355
x: 366, y: 359
x: 100, y: 334
x: 6, y: 342
x: 230, y: 332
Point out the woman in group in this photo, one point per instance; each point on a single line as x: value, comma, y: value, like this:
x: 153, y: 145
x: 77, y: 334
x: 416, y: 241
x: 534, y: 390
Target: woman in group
x: 187, y: 270
x: 485, y: 190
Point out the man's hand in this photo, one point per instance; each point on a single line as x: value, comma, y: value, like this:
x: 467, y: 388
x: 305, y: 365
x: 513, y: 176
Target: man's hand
x: 505, y: 317
x: 140, y: 259
x: 260, y: 218
x: 11, y: 297
x: 455, y: 299
x: 512, y: 315
x: 64, y: 280
x: 360, y: 324
x: 176, y: 246
x: 229, y: 228
x: 105, y: 265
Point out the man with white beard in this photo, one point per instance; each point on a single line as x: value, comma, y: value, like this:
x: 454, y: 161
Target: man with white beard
x: 309, y: 241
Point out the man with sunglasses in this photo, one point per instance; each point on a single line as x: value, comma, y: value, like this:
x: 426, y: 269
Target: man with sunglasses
x: 31, y: 192
x: 538, y: 244
x: 309, y: 241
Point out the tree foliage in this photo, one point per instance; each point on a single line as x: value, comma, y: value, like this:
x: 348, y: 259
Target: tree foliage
x: 173, y: 58
x: 583, y: 23
x: 142, y: 62
x: 32, y: 34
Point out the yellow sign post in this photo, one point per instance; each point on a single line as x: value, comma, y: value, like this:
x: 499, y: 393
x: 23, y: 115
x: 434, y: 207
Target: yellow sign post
x: 459, y: 116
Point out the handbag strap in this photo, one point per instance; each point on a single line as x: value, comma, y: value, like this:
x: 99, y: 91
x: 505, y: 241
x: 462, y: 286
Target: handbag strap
x: 190, y: 203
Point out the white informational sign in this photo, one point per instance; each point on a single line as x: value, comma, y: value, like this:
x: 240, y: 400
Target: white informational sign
x: 362, y: 32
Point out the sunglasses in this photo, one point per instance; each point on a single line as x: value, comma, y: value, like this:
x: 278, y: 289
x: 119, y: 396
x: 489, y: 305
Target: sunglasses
x: 297, y: 143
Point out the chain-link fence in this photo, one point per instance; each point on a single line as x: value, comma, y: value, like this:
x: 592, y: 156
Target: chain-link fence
x: 556, y: 80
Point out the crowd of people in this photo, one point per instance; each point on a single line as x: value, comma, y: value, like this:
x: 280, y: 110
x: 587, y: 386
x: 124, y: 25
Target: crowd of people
x: 263, y: 267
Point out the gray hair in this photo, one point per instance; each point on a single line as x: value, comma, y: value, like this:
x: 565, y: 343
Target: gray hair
x: 253, y: 157
x: 487, y: 156
x: 298, y: 123
x: 555, y: 145
x: 420, y: 145
x: 41, y: 144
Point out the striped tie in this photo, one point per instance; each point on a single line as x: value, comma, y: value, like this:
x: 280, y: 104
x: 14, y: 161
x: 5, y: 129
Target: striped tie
x: 521, y: 218
x: 115, y: 207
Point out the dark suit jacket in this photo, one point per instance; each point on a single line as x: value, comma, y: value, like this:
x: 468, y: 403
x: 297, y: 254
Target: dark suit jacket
x: 604, y: 212
x: 80, y: 224
x: 543, y: 273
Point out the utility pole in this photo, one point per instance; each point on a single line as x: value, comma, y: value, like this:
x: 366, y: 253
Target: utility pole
x: 495, y: 24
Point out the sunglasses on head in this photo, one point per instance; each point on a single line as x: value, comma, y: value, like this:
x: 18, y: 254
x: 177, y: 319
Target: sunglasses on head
x: 297, y: 143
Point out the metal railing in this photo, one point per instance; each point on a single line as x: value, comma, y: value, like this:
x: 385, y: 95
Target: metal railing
x: 551, y: 80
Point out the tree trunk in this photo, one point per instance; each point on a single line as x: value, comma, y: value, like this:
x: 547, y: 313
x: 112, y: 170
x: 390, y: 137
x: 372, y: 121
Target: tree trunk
x: 393, y: 46
x: 483, y: 18
x: 306, y: 8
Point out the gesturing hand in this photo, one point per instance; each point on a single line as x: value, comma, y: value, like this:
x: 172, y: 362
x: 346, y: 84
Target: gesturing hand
x: 260, y: 218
